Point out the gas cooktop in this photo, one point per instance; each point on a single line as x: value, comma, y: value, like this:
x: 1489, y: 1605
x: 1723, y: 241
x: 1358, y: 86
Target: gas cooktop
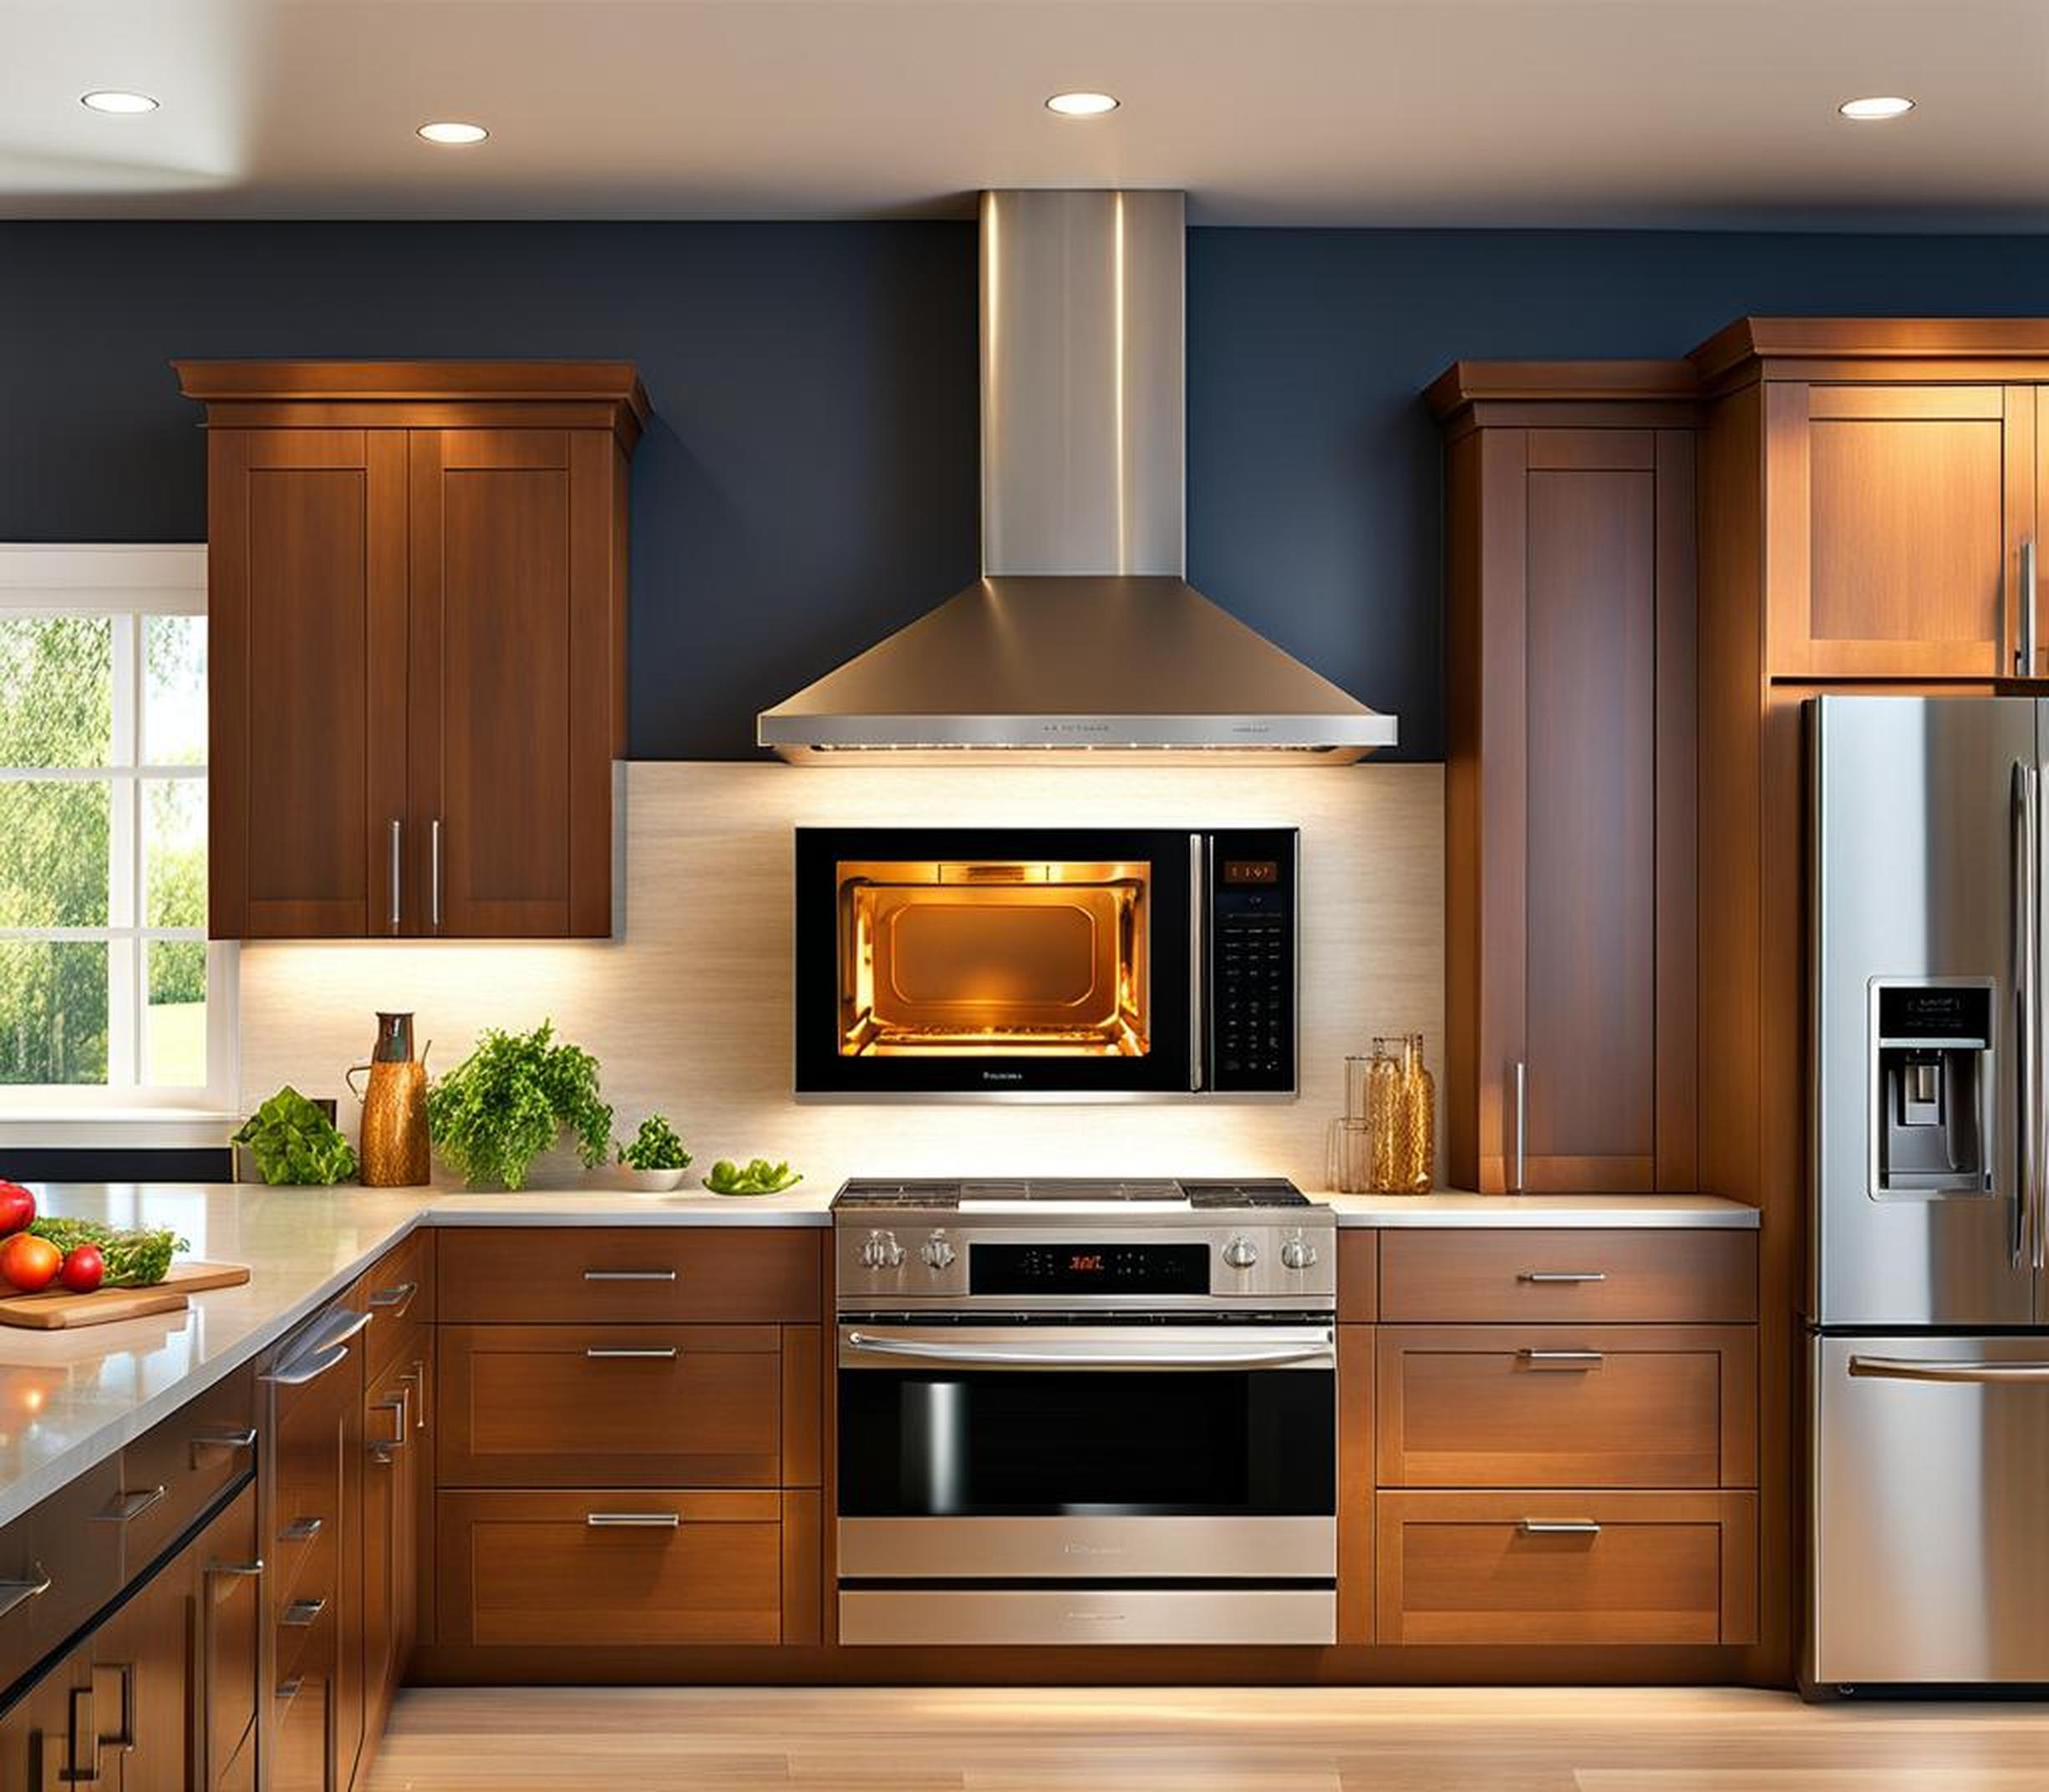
x: 1198, y: 1194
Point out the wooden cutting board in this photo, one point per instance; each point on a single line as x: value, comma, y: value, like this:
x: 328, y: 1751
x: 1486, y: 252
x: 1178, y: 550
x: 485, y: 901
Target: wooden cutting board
x: 57, y: 1310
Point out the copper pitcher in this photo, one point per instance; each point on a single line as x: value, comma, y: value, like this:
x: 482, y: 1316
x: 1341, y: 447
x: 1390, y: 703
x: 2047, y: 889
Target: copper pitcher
x: 395, y: 1153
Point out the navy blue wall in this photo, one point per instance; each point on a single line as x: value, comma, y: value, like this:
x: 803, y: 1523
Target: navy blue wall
x: 810, y: 480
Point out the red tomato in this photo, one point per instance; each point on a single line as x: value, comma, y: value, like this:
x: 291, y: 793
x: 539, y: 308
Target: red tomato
x: 17, y: 1207
x: 30, y: 1263
x: 84, y: 1270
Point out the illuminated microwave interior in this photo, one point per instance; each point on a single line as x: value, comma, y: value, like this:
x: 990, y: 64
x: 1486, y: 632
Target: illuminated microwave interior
x: 977, y: 958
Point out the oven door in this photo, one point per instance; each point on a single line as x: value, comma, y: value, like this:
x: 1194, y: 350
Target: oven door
x: 1055, y: 964
x: 1057, y: 1451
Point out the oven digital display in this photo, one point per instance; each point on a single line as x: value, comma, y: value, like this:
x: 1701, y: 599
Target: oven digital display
x: 1088, y: 1269
x: 1256, y: 872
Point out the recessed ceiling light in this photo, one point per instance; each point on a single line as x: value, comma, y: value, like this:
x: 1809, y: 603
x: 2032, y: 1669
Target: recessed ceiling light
x: 1879, y: 106
x: 451, y: 130
x: 117, y: 99
x: 1082, y: 106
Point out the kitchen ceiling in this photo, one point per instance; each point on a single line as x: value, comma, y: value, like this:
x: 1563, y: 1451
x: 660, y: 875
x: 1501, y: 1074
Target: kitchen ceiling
x: 1340, y: 112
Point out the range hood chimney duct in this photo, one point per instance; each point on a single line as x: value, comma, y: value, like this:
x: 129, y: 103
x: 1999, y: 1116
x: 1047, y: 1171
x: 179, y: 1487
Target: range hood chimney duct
x: 1082, y: 638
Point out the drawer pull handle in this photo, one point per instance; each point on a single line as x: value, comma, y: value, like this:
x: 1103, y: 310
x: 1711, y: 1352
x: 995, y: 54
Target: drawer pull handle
x: 415, y: 1378
x: 1549, y: 1275
x: 394, y: 1300
x: 1558, y: 1527
x: 302, y: 1612
x: 127, y: 1506
x: 1563, y: 1360
x: 237, y: 1571
x: 303, y: 1369
x: 15, y: 1594
x: 288, y: 1690
x: 629, y: 1275
x: 300, y: 1531
x: 204, y: 1441
x: 636, y: 1353
x: 634, y: 1521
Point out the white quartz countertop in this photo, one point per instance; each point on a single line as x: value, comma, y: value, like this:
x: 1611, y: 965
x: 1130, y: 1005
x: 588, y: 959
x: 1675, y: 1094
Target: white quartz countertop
x: 70, y: 1399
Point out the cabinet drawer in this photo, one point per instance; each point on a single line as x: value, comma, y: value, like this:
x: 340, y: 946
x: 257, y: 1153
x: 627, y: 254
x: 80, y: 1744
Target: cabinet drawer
x: 1619, y: 1568
x: 398, y: 1293
x: 60, y: 1561
x: 571, y: 1569
x: 1555, y: 1273
x: 627, y: 1274
x: 193, y: 1457
x: 1588, y: 1406
x: 630, y: 1406
x: 300, y: 1746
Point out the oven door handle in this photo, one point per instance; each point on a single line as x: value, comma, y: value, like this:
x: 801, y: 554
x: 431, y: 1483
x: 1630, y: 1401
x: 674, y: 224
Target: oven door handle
x: 1322, y: 1354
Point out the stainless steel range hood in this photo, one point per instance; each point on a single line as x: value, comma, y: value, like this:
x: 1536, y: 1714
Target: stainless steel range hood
x: 1082, y: 639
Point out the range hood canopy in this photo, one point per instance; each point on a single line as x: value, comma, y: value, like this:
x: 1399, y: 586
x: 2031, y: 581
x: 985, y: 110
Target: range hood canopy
x: 1082, y: 639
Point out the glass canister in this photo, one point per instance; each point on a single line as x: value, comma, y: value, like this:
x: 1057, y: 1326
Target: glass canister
x: 1384, y: 1100
x: 1415, y: 1155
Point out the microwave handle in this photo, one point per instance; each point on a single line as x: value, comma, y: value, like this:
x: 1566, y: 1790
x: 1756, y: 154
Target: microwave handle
x: 1198, y: 931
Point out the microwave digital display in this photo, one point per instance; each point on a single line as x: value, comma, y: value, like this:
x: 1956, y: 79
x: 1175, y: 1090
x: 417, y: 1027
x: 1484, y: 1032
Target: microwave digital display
x: 1258, y: 871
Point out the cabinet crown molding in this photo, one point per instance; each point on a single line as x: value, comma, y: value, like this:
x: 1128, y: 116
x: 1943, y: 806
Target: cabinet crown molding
x: 1889, y: 348
x: 422, y: 394
x: 1585, y: 394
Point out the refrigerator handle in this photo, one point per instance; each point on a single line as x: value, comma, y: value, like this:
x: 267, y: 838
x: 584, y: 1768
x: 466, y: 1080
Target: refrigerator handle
x: 1199, y: 1057
x: 2038, y: 1132
x: 2024, y: 656
x: 2027, y: 996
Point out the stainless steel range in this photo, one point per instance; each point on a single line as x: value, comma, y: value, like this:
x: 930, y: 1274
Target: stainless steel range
x: 1082, y: 1411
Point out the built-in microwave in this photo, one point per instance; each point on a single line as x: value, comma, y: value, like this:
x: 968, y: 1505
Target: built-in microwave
x: 1047, y: 964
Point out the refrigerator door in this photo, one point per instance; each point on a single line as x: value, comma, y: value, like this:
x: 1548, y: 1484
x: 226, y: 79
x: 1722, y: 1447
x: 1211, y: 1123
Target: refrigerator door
x: 1922, y: 912
x: 1929, y: 1561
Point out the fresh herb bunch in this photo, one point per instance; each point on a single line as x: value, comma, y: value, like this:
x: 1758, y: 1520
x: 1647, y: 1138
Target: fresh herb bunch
x: 134, y: 1260
x: 657, y: 1146
x: 293, y: 1142
x: 509, y: 1099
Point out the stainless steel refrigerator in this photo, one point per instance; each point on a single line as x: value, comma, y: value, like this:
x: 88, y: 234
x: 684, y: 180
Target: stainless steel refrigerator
x: 1927, y: 1308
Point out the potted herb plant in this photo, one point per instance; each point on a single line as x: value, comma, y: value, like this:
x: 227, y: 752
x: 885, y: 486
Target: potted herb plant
x: 656, y: 1160
x: 511, y: 1100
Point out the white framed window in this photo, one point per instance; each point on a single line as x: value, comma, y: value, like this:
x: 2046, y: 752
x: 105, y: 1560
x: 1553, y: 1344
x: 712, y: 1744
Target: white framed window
x: 113, y: 1004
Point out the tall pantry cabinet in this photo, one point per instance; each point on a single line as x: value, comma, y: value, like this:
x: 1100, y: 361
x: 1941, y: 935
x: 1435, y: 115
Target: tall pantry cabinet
x: 417, y: 622
x: 1570, y: 1001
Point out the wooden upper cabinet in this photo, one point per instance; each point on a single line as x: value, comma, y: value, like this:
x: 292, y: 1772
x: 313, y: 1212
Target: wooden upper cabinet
x: 1569, y: 785
x: 418, y: 621
x: 1895, y: 517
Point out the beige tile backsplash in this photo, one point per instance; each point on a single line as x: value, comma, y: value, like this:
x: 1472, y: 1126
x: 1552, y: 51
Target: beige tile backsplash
x: 689, y: 1011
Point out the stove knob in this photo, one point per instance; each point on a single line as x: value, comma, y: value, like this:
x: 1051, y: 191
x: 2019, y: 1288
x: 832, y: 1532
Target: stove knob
x: 1241, y: 1253
x: 1296, y: 1252
x: 881, y: 1251
x: 939, y: 1254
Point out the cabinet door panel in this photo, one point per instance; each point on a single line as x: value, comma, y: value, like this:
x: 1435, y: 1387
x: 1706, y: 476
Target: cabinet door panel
x: 513, y: 557
x: 1894, y: 516
x: 231, y: 1622
x: 1590, y: 1019
x: 307, y: 578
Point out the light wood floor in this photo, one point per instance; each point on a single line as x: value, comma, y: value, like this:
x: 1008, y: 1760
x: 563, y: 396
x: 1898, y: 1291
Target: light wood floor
x: 1210, y: 1739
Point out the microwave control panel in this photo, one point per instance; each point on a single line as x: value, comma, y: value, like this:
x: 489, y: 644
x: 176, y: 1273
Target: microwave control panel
x: 1253, y: 960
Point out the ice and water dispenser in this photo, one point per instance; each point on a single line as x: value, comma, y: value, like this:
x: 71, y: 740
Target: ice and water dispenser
x: 1931, y: 1087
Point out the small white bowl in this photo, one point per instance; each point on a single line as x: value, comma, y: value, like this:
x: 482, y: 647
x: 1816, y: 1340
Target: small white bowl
x: 653, y: 1181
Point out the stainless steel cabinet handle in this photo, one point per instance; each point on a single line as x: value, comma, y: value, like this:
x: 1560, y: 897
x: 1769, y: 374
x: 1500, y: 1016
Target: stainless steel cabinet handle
x: 1558, y: 1527
x: 396, y: 1299
x: 621, y: 1353
x: 127, y: 1507
x: 303, y: 1369
x: 300, y: 1531
x: 634, y: 1521
x: 1919, y: 1368
x: 398, y: 835
x: 1198, y: 1013
x: 434, y: 871
x: 416, y: 1377
x: 401, y: 1422
x: 203, y: 1441
x: 629, y: 1275
x: 236, y: 1571
x: 301, y: 1612
x: 2025, y: 658
x: 1549, y: 1275
x: 1569, y: 1359
x: 15, y: 1594
x: 2025, y: 1030
x: 320, y: 1349
x: 1519, y: 1160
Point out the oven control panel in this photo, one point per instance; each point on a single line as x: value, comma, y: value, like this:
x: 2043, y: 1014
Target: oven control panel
x: 913, y: 1261
x: 1251, y: 960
